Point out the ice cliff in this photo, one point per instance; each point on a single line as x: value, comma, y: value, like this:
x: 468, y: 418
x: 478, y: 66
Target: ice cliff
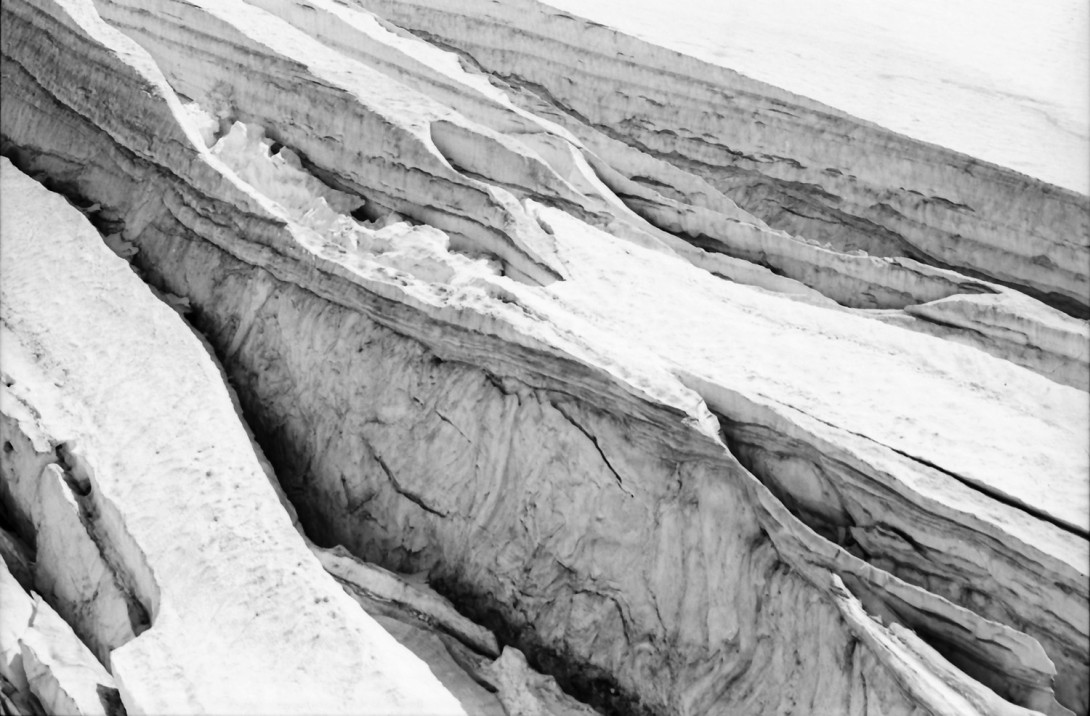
x: 523, y: 367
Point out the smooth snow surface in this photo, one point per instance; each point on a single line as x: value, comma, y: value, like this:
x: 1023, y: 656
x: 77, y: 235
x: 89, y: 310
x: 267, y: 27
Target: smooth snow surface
x: 1006, y: 82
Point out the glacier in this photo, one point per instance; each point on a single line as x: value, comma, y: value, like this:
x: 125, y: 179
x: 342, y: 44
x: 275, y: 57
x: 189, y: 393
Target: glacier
x: 465, y: 357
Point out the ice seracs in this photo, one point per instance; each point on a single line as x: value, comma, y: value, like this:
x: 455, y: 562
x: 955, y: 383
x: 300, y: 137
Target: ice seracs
x: 700, y: 396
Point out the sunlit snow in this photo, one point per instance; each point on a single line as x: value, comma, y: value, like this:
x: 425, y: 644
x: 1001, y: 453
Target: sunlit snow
x: 1006, y: 82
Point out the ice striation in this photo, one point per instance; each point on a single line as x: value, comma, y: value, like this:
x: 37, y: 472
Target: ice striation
x: 523, y: 367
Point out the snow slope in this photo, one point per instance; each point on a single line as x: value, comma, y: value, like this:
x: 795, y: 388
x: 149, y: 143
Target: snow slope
x: 106, y: 387
x: 1003, y: 81
x: 500, y: 301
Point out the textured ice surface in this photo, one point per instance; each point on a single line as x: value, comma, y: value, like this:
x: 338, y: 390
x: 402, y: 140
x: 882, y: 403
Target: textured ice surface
x: 1003, y: 81
x: 705, y: 397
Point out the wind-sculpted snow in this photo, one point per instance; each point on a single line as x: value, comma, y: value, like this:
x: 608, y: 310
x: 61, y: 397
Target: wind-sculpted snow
x: 696, y: 395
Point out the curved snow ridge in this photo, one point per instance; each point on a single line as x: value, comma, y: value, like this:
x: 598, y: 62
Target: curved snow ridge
x: 850, y: 182
x: 928, y: 644
x: 365, y: 129
x: 244, y: 617
x: 685, y: 205
x: 920, y: 524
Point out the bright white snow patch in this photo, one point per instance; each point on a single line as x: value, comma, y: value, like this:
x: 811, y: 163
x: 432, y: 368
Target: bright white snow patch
x: 1007, y: 82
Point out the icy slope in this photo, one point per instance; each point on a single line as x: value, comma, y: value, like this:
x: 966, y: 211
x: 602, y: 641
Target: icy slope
x: 75, y: 561
x: 1001, y: 81
x: 800, y: 166
x: 42, y: 659
x: 498, y: 317
x: 111, y: 404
